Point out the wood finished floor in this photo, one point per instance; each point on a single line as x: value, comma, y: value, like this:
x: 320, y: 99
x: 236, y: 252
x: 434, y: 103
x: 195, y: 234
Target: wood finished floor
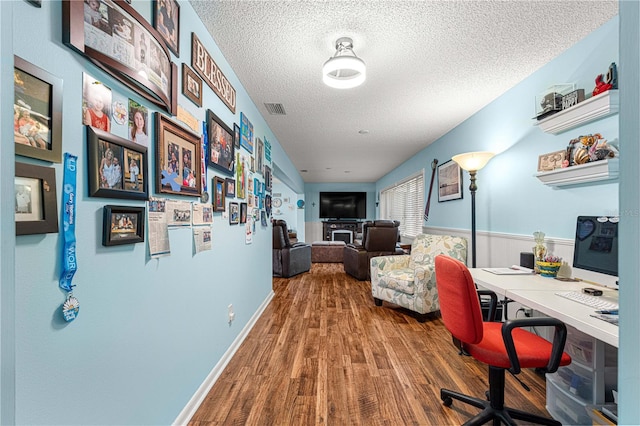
x: 323, y: 353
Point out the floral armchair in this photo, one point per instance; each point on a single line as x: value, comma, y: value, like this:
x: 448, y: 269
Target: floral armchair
x: 409, y: 280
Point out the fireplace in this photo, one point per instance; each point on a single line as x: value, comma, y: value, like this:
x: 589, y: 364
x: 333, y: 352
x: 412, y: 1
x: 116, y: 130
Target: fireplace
x: 342, y: 235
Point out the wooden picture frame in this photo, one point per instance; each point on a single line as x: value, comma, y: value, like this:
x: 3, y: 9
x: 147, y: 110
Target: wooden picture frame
x: 166, y: 20
x: 221, y: 145
x: 122, y: 225
x: 219, y: 192
x: 191, y: 85
x: 230, y: 187
x: 121, y: 41
x: 118, y: 168
x: 551, y: 161
x: 234, y: 213
x: 178, y: 168
x: 37, y: 112
x: 36, y: 208
x: 449, y: 181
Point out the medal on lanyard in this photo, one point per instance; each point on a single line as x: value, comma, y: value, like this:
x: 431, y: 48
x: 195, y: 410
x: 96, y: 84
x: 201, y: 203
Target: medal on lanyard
x: 70, y: 307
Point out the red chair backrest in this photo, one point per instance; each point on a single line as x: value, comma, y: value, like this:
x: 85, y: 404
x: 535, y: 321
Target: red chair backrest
x: 459, y: 303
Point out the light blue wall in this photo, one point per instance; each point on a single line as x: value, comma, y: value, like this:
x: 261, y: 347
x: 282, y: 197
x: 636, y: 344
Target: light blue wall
x: 509, y: 198
x: 149, y: 331
x: 287, y: 211
x: 312, y: 197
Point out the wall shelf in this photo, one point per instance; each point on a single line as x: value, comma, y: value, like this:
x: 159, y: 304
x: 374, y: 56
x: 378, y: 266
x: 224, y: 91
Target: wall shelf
x: 592, y: 109
x: 589, y: 172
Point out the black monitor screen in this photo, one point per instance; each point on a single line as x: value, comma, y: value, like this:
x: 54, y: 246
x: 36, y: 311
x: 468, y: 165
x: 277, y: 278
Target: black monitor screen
x: 343, y: 205
x: 596, y: 244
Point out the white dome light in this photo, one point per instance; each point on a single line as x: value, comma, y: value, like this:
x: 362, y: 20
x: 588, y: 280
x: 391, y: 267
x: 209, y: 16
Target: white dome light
x: 344, y: 70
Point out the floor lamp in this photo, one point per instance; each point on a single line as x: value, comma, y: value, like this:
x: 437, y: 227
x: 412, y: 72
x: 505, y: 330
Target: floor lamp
x: 472, y: 162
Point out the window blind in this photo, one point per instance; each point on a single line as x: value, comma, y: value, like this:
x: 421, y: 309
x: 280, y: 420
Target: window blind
x: 404, y: 202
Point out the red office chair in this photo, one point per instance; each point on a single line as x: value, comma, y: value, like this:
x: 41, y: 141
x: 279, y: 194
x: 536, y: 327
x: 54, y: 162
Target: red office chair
x: 503, y: 346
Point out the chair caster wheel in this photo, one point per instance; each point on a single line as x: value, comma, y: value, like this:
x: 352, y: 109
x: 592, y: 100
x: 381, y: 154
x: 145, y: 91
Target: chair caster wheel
x: 447, y: 401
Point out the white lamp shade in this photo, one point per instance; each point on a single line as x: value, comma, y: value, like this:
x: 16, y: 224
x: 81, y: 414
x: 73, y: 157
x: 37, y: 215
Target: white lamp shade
x: 473, y: 161
x: 344, y: 72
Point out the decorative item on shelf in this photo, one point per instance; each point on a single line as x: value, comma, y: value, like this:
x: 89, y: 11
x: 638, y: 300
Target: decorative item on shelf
x: 551, y: 160
x: 550, y: 101
x: 588, y: 148
x: 549, y: 266
x: 539, y: 250
x: 572, y: 98
x: 608, y: 82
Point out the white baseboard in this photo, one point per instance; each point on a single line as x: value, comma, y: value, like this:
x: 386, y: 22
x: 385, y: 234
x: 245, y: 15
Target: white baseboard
x: 194, y: 403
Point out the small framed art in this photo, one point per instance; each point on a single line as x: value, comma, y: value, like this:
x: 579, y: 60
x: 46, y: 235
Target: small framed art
x: 267, y: 178
x: 36, y: 210
x: 37, y: 112
x: 236, y: 136
x: 178, y: 168
x: 117, y: 167
x: 230, y: 187
x: 234, y: 213
x: 219, y: 192
x: 166, y: 20
x: 551, y: 161
x: 221, y: 145
x: 191, y: 85
x: 243, y: 212
x: 449, y: 181
x: 122, y: 225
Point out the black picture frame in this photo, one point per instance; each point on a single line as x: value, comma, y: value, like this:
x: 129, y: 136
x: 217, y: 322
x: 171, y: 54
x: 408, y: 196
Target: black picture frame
x: 191, y: 85
x: 106, y: 39
x: 38, y: 96
x: 449, y: 181
x: 104, y: 178
x: 236, y: 136
x: 230, y: 187
x: 234, y: 213
x: 221, y: 144
x: 243, y: 212
x: 168, y: 26
x: 219, y: 193
x: 122, y: 225
x: 36, y: 208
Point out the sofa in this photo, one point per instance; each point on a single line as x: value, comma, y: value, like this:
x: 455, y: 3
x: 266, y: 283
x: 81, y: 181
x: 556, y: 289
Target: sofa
x: 409, y: 280
x: 379, y: 238
x: 288, y: 259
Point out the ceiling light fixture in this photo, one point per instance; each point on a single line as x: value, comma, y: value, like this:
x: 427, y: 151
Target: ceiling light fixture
x: 344, y: 70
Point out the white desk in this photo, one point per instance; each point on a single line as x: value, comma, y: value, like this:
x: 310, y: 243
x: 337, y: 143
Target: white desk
x: 538, y: 293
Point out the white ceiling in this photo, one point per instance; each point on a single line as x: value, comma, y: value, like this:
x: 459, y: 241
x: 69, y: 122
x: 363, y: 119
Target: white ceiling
x: 430, y: 65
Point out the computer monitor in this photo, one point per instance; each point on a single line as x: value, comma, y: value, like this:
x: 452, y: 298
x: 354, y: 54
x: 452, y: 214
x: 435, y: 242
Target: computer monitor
x: 596, y: 247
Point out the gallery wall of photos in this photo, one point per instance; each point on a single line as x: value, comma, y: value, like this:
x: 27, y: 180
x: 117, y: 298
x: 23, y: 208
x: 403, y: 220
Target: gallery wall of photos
x: 201, y: 169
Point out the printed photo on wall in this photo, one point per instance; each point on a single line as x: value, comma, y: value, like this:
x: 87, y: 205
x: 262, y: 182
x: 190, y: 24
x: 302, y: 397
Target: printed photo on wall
x: 96, y: 104
x: 138, y: 123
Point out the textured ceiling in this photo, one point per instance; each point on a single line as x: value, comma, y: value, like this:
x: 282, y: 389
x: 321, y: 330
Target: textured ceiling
x: 430, y: 65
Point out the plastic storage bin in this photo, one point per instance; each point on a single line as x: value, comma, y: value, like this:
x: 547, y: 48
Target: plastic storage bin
x: 564, y: 406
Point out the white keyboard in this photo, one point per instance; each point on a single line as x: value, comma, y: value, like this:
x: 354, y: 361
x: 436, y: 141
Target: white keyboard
x: 595, y: 302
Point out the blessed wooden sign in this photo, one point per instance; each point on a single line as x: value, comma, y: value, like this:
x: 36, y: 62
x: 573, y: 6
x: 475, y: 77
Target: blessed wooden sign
x: 205, y: 66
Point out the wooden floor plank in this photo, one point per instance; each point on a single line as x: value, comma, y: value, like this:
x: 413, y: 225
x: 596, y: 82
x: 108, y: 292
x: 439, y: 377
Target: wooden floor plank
x: 322, y: 353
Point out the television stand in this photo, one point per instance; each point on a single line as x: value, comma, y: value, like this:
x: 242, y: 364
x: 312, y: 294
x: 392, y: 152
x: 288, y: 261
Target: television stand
x: 328, y: 226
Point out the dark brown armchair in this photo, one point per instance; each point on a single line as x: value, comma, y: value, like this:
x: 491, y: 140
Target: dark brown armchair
x: 379, y: 238
x: 288, y: 259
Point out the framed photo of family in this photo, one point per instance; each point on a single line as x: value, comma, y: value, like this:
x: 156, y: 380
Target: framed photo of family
x: 122, y: 225
x: 449, y: 181
x: 178, y: 168
x: 221, y: 145
x: 166, y: 19
x: 117, y: 167
x: 36, y: 206
x: 121, y: 41
x: 37, y: 112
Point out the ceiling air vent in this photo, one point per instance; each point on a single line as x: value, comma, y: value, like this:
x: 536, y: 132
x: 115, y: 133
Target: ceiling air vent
x: 275, y: 109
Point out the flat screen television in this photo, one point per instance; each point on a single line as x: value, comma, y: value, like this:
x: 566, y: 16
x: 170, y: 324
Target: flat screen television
x: 343, y: 205
x: 596, y: 244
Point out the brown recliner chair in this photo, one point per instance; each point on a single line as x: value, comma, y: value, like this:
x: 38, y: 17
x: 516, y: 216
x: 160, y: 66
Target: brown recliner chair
x: 379, y: 238
x: 288, y: 259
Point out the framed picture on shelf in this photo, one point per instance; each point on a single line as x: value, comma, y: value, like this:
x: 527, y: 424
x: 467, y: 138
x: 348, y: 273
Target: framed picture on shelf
x: 178, y: 168
x: 114, y: 36
x: 122, y: 225
x: 449, y: 181
x: 117, y: 167
x: 166, y: 19
x: 551, y: 161
x: 37, y: 112
x: 191, y: 85
x: 230, y: 187
x: 218, y: 193
x: 221, y: 148
x: 36, y: 208
x: 234, y: 213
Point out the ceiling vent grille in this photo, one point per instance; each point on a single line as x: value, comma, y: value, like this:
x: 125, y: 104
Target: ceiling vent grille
x: 275, y: 109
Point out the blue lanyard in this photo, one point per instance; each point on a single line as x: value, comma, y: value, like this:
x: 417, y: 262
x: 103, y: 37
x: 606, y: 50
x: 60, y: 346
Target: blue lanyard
x: 69, y: 261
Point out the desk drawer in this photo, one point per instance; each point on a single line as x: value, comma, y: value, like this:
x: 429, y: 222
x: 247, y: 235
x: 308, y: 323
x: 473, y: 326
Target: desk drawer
x: 565, y: 407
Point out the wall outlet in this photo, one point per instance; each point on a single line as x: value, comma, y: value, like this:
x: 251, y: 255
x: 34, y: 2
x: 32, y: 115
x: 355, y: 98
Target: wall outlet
x: 528, y: 312
x: 231, y: 314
